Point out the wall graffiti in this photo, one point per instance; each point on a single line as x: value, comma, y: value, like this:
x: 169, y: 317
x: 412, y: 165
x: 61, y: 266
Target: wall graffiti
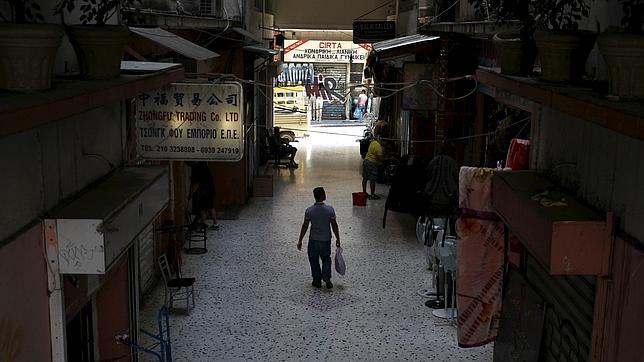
x: 326, y: 87
x: 317, y: 85
x: 11, y: 340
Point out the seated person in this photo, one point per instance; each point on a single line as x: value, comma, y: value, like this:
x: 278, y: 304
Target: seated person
x: 284, y: 149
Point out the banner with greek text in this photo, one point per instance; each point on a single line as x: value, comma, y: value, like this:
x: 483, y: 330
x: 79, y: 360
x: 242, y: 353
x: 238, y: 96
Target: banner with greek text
x: 324, y: 51
x: 191, y: 121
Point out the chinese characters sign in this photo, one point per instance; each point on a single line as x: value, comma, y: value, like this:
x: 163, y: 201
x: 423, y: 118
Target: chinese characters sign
x: 191, y: 122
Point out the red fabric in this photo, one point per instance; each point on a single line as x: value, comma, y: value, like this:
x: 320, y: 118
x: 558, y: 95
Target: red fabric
x: 518, y: 155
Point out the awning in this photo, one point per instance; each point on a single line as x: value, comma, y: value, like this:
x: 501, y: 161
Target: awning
x: 402, y: 42
x: 566, y: 236
x: 261, y: 51
x: 254, y: 39
x: 175, y: 43
x: 134, y: 67
x: 98, y: 226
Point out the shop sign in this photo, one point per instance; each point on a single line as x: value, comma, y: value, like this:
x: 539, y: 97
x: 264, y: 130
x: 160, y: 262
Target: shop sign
x: 186, y: 121
x: 325, y: 51
x: 373, y: 31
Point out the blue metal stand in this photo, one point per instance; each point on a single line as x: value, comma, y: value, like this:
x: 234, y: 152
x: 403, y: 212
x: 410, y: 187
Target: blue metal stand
x: 162, y: 348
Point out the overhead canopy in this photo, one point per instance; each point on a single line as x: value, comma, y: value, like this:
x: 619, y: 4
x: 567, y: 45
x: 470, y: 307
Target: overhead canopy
x: 261, y: 51
x: 175, y: 43
x: 403, y: 42
x: 248, y: 35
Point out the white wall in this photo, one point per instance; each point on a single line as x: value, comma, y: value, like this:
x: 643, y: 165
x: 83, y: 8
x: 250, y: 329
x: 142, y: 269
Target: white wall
x: 604, y: 167
x: 254, y: 23
x: 46, y: 165
x: 233, y: 8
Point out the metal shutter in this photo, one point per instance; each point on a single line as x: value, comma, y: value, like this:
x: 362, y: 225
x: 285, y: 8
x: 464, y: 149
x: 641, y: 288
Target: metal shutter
x: 146, y: 259
x: 333, y: 109
x: 568, y: 324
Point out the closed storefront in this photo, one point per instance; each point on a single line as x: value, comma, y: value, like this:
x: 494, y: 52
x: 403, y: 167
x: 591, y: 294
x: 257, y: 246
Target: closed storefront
x: 146, y: 247
x: 334, y: 79
x: 325, y: 69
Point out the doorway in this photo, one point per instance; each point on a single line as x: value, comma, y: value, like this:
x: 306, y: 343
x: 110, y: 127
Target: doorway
x: 80, y: 336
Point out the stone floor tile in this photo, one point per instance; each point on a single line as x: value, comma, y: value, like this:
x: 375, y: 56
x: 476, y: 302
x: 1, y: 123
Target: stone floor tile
x: 254, y: 295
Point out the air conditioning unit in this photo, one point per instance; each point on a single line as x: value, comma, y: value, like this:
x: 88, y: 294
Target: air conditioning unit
x: 214, y: 8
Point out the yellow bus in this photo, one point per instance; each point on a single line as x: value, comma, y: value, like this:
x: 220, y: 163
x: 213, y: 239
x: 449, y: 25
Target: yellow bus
x: 290, y: 111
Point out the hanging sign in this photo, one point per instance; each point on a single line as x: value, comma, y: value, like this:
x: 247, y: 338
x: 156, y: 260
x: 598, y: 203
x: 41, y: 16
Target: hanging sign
x: 325, y: 51
x: 185, y: 121
x: 373, y: 31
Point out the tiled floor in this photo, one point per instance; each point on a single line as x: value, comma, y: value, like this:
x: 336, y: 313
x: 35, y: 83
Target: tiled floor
x: 255, y: 300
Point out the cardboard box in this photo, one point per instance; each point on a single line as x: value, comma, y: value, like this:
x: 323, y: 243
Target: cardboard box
x: 263, y: 186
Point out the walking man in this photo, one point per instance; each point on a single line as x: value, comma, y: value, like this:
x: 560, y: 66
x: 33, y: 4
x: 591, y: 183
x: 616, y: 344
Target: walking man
x: 322, y: 220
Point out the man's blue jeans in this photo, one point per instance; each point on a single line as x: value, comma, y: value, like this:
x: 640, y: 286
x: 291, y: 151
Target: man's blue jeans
x: 320, y: 250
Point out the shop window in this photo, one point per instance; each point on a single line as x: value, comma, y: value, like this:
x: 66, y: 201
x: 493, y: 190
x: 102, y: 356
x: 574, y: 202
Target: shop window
x: 356, y: 78
x: 356, y: 67
x: 267, y: 3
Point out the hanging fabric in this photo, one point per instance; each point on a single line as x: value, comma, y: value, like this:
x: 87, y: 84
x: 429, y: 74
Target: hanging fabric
x: 518, y: 154
x: 480, y: 255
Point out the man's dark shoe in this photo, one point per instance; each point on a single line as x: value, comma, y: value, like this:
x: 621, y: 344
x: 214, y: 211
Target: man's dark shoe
x: 317, y: 283
x: 329, y: 285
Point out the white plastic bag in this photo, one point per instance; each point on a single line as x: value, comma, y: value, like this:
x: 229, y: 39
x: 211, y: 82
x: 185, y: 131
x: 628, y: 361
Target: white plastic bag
x: 340, y: 267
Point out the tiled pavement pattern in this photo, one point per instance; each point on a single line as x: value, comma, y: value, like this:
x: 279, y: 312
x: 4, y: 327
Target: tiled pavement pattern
x: 254, y: 295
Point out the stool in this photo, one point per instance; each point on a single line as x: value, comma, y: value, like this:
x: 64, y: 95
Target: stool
x: 196, y: 233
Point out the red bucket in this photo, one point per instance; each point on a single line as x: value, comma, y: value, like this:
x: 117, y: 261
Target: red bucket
x: 359, y: 198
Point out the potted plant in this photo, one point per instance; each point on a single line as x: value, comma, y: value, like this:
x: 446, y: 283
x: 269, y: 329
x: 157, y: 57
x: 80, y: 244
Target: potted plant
x: 28, y: 47
x: 562, y: 47
x: 515, y: 50
x: 99, y: 46
x: 624, y: 52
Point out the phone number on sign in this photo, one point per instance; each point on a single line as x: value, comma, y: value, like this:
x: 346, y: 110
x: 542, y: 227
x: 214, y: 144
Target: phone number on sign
x: 230, y: 150
x: 162, y: 148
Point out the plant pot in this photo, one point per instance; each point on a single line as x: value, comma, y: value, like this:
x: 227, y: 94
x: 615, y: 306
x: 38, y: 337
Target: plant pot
x: 563, y: 55
x: 163, y: 5
x: 513, y: 55
x: 28, y: 55
x: 99, y: 49
x: 624, y: 55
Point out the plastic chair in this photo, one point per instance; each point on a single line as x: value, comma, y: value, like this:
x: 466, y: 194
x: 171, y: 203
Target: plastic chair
x: 176, y: 288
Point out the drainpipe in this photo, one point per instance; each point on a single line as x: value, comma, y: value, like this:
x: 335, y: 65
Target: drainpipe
x: 397, y: 10
x: 57, y: 320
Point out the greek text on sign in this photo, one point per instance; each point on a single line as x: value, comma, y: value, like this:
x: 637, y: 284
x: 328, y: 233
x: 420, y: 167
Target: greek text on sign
x: 325, y: 51
x: 185, y: 121
x: 373, y: 31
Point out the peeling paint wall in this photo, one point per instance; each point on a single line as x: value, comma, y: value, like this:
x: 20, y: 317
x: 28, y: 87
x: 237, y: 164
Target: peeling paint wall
x: 604, y: 168
x: 24, y: 306
x: 625, y: 300
x: 45, y: 165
